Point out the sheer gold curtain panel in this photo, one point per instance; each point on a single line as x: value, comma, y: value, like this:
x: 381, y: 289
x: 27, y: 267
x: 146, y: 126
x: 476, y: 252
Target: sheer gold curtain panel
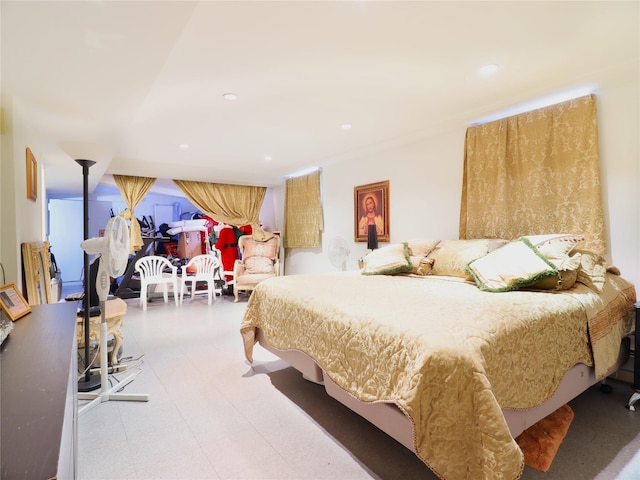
x: 535, y: 173
x: 233, y: 204
x: 133, y: 190
x: 303, y: 218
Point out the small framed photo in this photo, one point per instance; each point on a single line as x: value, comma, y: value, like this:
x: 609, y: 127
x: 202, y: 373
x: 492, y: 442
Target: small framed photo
x: 12, y: 302
x: 32, y: 176
x: 371, y: 207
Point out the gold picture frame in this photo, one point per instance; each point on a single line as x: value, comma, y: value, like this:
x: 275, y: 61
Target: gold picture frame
x: 36, y: 261
x: 12, y: 302
x: 32, y: 176
x: 371, y: 204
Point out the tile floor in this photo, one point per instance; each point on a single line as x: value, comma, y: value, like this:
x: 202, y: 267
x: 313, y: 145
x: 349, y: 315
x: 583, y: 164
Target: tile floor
x: 211, y: 416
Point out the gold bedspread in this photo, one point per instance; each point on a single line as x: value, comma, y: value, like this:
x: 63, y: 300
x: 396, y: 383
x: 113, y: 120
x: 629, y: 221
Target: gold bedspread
x: 448, y: 354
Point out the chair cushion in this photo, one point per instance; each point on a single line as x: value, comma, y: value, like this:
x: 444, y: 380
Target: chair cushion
x: 253, y: 248
x: 258, y: 265
x: 252, y: 278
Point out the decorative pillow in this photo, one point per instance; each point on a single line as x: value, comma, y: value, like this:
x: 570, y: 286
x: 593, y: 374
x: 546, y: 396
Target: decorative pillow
x: 254, y: 248
x: 421, y: 247
x: 567, y: 274
x: 515, y: 265
x: 495, y: 243
x: 258, y: 265
x: 388, y: 260
x: 592, y: 271
x: 421, y: 265
x: 452, y: 256
x: 555, y: 245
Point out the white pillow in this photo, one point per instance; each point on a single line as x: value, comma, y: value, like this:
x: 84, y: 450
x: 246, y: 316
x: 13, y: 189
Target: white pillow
x: 388, y: 260
x: 517, y: 264
x: 555, y: 245
x: 421, y: 247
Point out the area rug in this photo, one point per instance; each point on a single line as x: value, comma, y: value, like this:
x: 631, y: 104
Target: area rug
x: 540, y: 442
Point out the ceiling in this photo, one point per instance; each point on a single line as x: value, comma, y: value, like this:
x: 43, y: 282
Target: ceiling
x: 127, y: 82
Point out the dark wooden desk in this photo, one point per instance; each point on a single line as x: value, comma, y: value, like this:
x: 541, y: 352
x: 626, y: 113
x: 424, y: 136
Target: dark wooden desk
x: 38, y: 395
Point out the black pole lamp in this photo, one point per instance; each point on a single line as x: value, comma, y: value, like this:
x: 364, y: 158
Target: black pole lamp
x: 88, y: 383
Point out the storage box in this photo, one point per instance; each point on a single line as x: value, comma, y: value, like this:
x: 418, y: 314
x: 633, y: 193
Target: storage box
x: 189, y: 244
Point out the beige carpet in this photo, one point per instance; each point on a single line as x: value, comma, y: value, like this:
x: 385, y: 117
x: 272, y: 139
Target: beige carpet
x: 540, y: 442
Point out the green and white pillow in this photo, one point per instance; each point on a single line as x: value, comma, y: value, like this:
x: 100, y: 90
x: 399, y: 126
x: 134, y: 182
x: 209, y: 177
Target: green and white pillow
x: 516, y: 265
x: 555, y: 245
x: 388, y: 260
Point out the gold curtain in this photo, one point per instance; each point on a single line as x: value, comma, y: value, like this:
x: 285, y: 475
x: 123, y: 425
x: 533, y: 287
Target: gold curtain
x: 133, y: 190
x: 303, y: 219
x: 233, y: 204
x: 535, y: 173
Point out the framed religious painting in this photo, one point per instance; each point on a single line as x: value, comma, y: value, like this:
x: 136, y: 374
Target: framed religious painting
x: 371, y: 207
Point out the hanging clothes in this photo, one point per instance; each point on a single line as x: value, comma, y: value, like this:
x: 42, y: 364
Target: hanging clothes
x: 228, y: 246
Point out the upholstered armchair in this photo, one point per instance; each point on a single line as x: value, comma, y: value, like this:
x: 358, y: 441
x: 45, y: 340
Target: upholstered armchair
x: 258, y: 261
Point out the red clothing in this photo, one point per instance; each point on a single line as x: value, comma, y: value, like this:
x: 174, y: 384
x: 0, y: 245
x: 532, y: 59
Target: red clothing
x: 228, y: 246
x: 246, y: 229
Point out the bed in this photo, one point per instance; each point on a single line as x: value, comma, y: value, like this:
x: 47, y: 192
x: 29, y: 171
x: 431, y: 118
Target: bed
x: 452, y: 371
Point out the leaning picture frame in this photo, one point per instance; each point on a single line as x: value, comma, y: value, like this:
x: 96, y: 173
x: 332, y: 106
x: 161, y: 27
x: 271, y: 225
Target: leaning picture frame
x: 371, y: 206
x: 12, y: 302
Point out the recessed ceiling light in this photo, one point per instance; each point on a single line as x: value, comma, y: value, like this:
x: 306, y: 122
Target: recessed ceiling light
x: 346, y: 126
x: 489, y: 69
x: 230, y: 96
x: 184, y: 146
x: 268, y: 158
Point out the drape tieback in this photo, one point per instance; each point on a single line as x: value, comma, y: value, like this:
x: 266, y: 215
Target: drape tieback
x: 135, y: 234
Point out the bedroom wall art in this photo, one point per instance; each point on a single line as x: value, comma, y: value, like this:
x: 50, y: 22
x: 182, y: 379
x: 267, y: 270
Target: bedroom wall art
x: 371, y: 207
x: 32, y: 176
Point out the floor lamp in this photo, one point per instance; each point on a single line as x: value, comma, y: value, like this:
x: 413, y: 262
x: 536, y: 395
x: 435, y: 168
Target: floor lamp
x: 88, y: 383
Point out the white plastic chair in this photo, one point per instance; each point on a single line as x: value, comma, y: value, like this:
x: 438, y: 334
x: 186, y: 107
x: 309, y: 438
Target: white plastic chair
x: 155, y: 270
x: 207, y: 269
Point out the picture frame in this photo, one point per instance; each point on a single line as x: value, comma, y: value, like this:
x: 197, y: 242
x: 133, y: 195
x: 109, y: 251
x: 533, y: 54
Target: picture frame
x: 36, y: 262
x: 12, y: 302
x: 371, y: 205
x: 32, y: 176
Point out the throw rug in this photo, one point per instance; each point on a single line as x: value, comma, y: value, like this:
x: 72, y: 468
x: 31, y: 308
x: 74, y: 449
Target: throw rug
x: 540, y: 442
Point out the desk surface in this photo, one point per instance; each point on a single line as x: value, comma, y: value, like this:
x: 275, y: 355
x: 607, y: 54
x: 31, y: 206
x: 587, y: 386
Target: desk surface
x: 36, y: 361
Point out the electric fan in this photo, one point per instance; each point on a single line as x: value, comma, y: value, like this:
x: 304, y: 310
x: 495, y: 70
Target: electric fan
x: 113, y: 249
x: 338, y: 253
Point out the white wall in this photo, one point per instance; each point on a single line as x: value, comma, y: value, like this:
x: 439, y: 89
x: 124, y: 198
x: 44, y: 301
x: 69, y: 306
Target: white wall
x: 425, y: 180
x: 619, y: 124
x: 22, y: 219
x: 425, y: 187
x: 66, y: 220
